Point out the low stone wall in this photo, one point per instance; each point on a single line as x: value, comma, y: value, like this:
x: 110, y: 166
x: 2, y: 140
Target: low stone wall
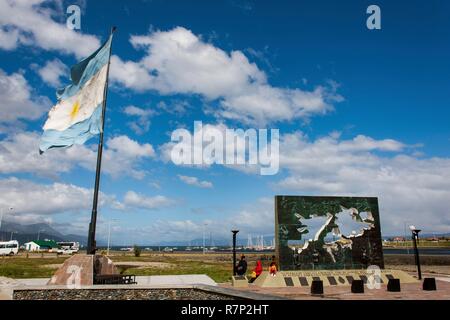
x: 119, y: 294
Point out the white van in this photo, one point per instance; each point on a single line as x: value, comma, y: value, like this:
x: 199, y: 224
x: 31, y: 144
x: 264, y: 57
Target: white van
x: 9, y: 248
x: 69, y: 247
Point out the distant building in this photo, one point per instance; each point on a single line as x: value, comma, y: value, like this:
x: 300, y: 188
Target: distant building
x: 399, y: 239
x: 40, y: 245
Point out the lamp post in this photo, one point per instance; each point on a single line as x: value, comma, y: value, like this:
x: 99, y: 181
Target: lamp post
x: 204, y: 240
x: 12, y: 235
x: 39, y: 233
x: 2, y: 212
x: 415, y: 238
x: 109, y: 234
x: 234, y: 250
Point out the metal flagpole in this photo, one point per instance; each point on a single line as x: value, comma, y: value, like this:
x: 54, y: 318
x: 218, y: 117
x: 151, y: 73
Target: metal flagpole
x: 92, y: 247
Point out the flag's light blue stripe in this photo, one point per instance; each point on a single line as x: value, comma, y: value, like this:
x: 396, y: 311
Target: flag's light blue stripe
x: 78, y: 133
x: 85, y: 70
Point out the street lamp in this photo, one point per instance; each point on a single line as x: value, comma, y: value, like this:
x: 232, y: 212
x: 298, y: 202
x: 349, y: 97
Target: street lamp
x: 39, y: 233
x: 109, y: 234
x: 204, y: 241
x: 2, y: 212
x: 234, y: 250
x: 415, y: 238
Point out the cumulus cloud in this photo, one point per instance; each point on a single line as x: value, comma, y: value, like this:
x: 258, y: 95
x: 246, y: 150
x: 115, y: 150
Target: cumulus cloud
x: 137, y: 200
x: 121, y: 156
x: 176, y: 107
x: 26, y: 199
x: 32, y: 200
x: 130, y: 74
x: 248, y: 151
x: 18, y: 100
x: 130, y: 148
x: 142, y: 124
x: 177, y: 61
x: 410, y: 189
x: 31, y: 23
x: 194, y: 181
x: 52, y: 71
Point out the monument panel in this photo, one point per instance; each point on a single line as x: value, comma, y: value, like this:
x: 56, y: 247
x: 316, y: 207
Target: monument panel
x: 317, y: 233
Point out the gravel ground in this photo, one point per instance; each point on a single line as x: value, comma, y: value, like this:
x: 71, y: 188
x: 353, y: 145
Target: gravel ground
x: 122, y: 294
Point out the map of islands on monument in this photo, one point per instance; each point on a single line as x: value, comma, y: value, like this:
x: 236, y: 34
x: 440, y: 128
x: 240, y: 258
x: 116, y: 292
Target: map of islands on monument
x: 322, y: 233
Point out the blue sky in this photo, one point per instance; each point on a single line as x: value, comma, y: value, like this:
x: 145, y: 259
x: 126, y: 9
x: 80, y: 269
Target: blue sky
x: 378, y: 126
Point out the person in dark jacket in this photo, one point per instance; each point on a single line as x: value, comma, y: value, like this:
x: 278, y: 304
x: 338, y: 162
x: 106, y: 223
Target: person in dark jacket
x: 241, y: 267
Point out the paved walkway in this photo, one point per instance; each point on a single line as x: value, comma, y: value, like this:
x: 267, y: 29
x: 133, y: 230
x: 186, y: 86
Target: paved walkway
x: 185, y: 279
x: 409, y: 291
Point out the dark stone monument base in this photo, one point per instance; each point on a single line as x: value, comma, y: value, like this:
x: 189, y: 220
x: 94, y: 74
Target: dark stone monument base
x: 317, y: 287
x: 357, y: 286
x: 429, y: 284
x: 393, y: 285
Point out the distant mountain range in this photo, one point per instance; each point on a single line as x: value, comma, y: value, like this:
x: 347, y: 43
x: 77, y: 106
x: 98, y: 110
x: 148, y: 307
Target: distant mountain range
x: 29, y: 232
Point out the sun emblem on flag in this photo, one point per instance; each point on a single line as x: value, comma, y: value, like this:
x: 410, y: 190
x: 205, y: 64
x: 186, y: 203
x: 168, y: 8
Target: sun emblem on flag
x: 75, y: 109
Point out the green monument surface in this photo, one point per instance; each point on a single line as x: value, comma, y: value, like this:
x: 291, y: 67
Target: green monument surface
x: 322, y: 233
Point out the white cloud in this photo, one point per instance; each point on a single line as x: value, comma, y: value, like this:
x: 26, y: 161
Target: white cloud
x: 17, y: 99
x: 410, y: 189
x: 30, y: 23
x: 194, y: 181
x: 232, y: 153
x: 52, y: 71
x: 142, y: 124
x: 130, y: 74
x: 178, y: 61
x: 130, y: 148
x: 8, y: 38
x: 140, y: 201
x: 121, y: 156
x: 177, y: 107
x: 31, y: 200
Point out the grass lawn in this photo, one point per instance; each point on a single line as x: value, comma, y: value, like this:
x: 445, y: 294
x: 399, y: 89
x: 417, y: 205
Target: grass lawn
x: 21, y: 267
x: 217, y: 267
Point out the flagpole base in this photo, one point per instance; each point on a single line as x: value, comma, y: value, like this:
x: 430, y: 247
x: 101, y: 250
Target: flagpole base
x: 81, y: 269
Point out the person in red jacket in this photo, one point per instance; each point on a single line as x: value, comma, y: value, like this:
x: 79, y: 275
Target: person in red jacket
x: 258, y: 270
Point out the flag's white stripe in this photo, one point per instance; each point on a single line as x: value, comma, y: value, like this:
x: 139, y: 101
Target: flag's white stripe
x: 62, y: 115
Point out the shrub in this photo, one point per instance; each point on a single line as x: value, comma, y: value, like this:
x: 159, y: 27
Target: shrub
x: 137, y: 251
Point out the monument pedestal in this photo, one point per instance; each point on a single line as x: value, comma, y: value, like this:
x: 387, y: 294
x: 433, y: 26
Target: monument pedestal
x: 239, y: 281
x: 80, y: 269
x: 328, y: 277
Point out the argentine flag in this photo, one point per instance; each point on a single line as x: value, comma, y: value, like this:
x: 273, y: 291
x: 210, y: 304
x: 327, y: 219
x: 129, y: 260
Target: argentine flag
x: 77, y: 116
